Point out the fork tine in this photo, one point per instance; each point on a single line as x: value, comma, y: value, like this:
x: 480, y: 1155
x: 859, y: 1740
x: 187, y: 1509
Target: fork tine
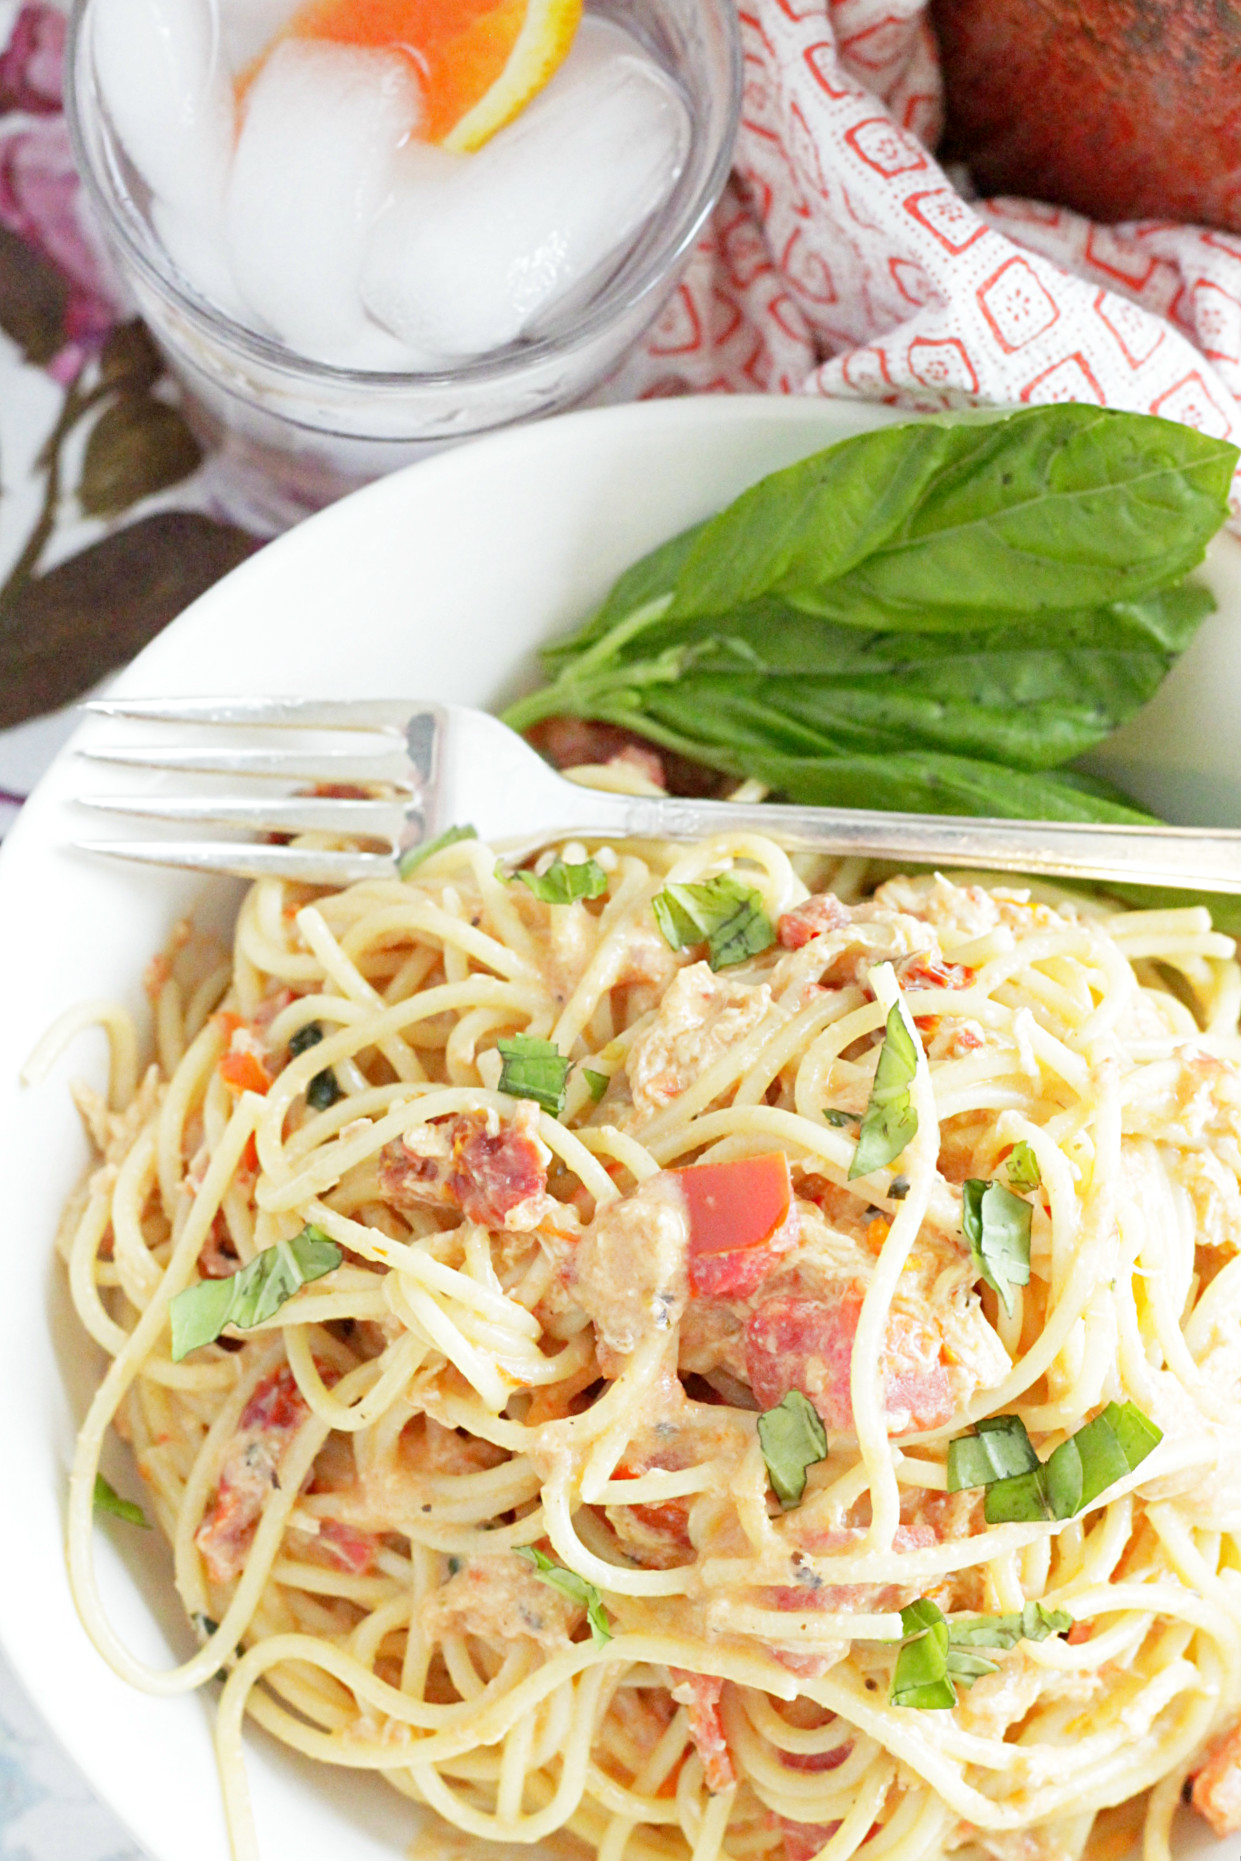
x: 235, y: 859
x: 389, y: 765
x: 300, y: 713
x: 289, y: 814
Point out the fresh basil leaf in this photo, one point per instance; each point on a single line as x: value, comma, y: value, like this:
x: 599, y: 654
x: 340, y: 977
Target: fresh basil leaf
x: 1114, y: 1444
x: 890, y: 1121
x: 576, y: 1588
x: 793, y: 1438
x: 304, y: 1039
x: 1022, y: 1169
x: 107, y: 1499
x: 1062, y: 1481
x: 254, y: 1294
x: 964, y: 1666
x: 562, y: 883
x: 721, y: 912
x: 997, y: 1227
x: 1057, y: 507
x: 598, y: 1082
x: 649, y: 582
x: 1101, y: 1452
x: 842, y: 1120
x: 920, y: 1678
x: 1137, y: 1434
x: 1000, y: 1450
x: 534, y: 1069
x: 1019, y: 1500
x: 323, y: 1090
x: 410, y: 861
x: 1032, y: 1623
x: 810, y: 523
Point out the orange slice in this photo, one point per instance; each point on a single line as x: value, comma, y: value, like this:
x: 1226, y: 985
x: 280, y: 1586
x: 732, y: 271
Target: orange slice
x: 479, y: 62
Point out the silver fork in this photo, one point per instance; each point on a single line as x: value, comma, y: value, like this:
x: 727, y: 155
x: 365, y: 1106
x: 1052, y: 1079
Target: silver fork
x: 445, y: 766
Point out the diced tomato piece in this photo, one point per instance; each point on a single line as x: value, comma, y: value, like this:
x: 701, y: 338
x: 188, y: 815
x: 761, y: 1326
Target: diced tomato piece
x: 923, y: 971
x: 812, y: 918
x: 346, y: 1547
x: 1217, y: 1787
x: 268, y: 1423
x: 495, y: 1175
x: 807, y: 1344
x: 242, y: 1064
x: 488, y: 1175
x: 742, y: 1217
x: 701, y: 1693
x: 668, y: 1516
x: 803, y: 1840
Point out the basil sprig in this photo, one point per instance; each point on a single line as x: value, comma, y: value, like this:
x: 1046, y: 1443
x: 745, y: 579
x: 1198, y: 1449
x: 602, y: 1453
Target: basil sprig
x: 937, y: 1655
x: 107, y: 1499
x: 253, y: 1295
x: 416, y: 856
x: 534, y: 1069
x: 722, y: 913
x: 576, y: 1588
x: 1022, y: 1169
x: 793, y: 1438
x: 1021, y: 1489
x: 889, y: 1121
x: 562, y: 883
x: 938, y: 616
x: 997, y: 1227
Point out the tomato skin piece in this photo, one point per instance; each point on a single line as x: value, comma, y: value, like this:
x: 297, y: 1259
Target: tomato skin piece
x: 807, y: 1344
x: 241, y: 1066
x: 742, y: 1217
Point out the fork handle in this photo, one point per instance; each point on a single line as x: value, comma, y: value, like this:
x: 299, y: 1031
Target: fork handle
x: 1198, y: 858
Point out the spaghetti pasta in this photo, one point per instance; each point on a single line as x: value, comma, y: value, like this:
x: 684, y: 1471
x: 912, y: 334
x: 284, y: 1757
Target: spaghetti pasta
x: 481, y: 1500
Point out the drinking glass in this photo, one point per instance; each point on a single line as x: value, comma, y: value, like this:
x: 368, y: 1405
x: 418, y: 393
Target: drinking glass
x: 289, y: 434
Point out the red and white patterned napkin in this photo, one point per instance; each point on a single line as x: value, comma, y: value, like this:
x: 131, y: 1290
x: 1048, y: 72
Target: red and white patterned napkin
x: 844, y: 260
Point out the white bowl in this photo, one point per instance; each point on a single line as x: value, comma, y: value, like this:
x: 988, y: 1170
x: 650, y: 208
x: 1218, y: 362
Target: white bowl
x: 438, y: 582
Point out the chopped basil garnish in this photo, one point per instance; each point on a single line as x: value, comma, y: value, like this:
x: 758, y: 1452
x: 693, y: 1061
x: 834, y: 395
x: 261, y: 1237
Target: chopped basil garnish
x: 323, y: 1090
x: 1022, y: 1169
x: 411, y: 860
x: 1000, y: 1450
x: 256, y: 1293
x: 598, y: 1082
x: 898, y: 1188
x: 562, y: 883
x: 721, y: 912
x: 1033, y: 1623
x: 935, y: 1652
x: 842, y: 1119
x: 997, y: 1227
x: 890, y: 1121
x: 534, y: 1069
x: 574, y: 1587
x: 1103, y: 1451
x: 792, y: 1437
x: 107, y: 1499
x: 920, y: 1678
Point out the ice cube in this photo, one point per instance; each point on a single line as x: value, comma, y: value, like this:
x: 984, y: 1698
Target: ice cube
x: 314, y: 159
x: 468, y: 257
x: 247, y: 28
x: 196, y: 249
x: 170, y: 100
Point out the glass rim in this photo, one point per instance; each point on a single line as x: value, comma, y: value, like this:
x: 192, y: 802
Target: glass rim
x: 611, y: 308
